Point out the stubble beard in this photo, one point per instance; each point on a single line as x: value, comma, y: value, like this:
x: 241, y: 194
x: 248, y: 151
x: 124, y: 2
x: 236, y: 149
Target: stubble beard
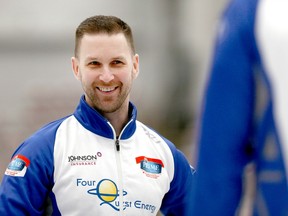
x: 108, y: 104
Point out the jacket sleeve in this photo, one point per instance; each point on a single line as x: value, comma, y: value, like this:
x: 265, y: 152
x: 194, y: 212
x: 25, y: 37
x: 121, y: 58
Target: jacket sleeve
x: 227, y: 115
x: 177, y: 200
x: 28, y: 178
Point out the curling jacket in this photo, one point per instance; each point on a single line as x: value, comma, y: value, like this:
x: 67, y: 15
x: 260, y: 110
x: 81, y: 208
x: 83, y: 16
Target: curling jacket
x: 84, y: 169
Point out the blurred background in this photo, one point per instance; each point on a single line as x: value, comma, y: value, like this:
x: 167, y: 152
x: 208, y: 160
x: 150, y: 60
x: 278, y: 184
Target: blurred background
x: 173, y: 38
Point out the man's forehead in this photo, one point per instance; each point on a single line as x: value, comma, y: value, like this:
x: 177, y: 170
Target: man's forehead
x: 103, y: 35
x: 116, y: 43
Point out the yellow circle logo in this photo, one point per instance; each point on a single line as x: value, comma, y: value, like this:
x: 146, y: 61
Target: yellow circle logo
x: 107, y: 190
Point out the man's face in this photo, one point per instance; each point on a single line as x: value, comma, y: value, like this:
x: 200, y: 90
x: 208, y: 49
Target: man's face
x: 106, y: 68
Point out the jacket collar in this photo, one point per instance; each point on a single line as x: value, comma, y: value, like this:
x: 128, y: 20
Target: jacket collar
x: 93, y: 121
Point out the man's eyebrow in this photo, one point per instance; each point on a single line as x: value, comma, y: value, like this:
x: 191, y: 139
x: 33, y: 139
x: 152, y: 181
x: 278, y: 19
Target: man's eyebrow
x: 119, y: 58
x: 88, y: 58
x: 91, y: 58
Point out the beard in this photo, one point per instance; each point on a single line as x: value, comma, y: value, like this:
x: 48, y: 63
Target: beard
x: 107, y: 104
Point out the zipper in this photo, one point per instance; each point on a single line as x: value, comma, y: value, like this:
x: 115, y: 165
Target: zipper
x: 119, y: 166
x: 117, y: 144
x: 120, y: 176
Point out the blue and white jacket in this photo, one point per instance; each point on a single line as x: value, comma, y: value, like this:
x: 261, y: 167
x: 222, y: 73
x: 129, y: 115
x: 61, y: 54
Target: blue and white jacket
x: 245, y: 111
x: 80, y: 164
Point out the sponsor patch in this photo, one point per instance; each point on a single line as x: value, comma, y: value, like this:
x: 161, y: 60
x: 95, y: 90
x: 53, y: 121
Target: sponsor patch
x: 151, y: 167
x: 17, y: 166
x: 84, y: 160
x: 108, y: 193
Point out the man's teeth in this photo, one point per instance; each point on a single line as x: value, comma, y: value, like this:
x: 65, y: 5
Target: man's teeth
x: 106, y: 89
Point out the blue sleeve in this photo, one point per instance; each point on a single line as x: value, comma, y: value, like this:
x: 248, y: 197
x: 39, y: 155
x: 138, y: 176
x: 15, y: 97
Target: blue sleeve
x: 178, y: 199
x: 29, y: 176
x: 227, y: 115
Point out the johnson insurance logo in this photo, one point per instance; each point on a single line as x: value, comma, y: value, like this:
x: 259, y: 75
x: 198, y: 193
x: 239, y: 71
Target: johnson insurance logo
x: 84, y: 160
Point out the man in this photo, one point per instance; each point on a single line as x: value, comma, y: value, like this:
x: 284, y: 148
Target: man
x: 100, y: 160
x: 244, y: 117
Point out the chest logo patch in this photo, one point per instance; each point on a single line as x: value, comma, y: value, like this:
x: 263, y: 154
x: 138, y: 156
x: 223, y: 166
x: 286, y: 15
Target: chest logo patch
x: 108, y: 193
x: 151, y: 167
x: 17, y: 166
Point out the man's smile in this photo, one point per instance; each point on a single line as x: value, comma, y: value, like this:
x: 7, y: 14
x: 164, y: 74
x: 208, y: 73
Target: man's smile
x: 107, y: 89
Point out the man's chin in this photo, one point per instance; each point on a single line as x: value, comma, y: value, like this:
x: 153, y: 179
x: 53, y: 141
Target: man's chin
x: 106, y: 108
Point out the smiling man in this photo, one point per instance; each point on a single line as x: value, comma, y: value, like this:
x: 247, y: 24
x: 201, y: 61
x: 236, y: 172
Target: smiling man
x: 100, y: 160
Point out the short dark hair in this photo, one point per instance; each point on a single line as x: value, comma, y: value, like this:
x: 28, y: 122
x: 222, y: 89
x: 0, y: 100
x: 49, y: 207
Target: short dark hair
x: 103, y: 24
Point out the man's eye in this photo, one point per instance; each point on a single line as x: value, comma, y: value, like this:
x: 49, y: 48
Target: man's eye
x: 94, y: 63
x: 116, y: 62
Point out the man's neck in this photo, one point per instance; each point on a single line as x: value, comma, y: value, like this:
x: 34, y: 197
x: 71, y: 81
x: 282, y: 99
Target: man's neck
x: 118, y: 119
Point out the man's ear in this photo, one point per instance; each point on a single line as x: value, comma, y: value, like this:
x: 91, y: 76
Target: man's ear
x: 75, y: 67
x: 135, y: 66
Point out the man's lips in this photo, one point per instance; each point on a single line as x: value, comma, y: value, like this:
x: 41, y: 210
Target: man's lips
x: 107, y: 89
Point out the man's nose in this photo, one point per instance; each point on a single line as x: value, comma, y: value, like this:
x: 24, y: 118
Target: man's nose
x: 106, y: 75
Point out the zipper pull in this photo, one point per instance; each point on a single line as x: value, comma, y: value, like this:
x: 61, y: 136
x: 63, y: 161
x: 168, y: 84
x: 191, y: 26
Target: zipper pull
x: 117, y: 145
